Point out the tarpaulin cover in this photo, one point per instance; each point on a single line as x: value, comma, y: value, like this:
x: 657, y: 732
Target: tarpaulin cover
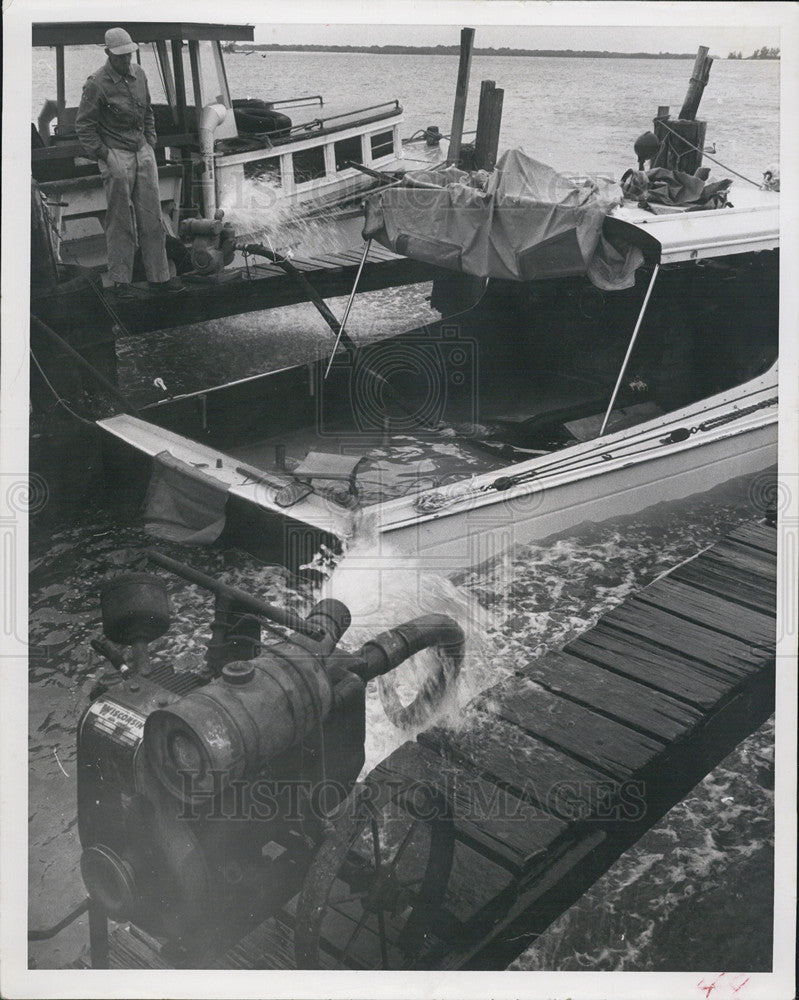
x: 523, y: 221
x: 182, y: 503
x: 674, y: 188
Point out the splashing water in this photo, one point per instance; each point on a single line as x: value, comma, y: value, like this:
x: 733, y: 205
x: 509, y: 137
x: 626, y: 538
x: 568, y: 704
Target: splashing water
x: 382, y: 589
x: 261, y: 213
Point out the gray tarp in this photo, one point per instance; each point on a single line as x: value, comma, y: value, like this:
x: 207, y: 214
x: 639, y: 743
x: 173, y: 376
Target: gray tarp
x: 524, y: 221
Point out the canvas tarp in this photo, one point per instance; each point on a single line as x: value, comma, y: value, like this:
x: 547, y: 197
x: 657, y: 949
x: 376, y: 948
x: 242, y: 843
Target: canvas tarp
x: 183, y: 504
x: 523, y: 221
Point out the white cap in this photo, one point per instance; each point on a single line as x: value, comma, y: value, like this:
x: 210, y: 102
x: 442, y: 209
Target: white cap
x: 118, y: 42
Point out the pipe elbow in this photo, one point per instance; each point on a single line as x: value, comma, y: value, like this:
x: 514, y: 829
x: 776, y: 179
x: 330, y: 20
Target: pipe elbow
x: 211, y: 118
x: 386, y: 651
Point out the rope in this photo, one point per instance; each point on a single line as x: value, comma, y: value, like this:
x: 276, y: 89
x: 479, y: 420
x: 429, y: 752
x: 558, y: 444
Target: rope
x: 59, y: 400
x: 109, y: 308
x: 431, y: 503
x: 726, y: 418
x: 743, y: 177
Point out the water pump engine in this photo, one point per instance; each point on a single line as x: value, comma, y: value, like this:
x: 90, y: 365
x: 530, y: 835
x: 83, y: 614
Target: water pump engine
x: 202, y: 799
x: 213, y: 243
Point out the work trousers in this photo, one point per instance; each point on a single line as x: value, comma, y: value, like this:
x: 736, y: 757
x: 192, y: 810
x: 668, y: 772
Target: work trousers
x: 131, y: 180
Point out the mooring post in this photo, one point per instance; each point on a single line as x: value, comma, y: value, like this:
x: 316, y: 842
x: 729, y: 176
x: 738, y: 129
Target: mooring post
x: 461, y: 91
x: 483, y: 117
x: 682, y: 140
x: 697, y: 84
x: 495, y: 124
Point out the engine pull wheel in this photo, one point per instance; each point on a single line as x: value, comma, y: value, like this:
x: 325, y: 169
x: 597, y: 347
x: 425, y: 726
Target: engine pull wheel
x: 374, y: 891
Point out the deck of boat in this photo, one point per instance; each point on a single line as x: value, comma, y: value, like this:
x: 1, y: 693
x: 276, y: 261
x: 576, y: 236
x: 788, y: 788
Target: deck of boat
x: 582, y: 750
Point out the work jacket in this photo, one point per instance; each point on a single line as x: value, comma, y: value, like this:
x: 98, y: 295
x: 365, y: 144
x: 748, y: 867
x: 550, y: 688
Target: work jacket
x: 115, y: 111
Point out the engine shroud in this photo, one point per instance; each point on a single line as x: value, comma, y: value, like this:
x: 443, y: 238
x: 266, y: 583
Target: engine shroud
x: 200, y: 873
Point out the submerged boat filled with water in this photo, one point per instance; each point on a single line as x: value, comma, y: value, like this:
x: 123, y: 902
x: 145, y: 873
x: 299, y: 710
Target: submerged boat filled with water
x: 601, y: 348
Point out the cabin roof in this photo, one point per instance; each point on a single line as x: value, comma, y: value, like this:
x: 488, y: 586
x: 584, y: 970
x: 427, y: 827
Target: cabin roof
x: 753, y: 224
x: 93, y: 32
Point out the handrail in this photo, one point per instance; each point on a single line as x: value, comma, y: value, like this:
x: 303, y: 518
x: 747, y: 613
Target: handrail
x: 309, y: 99
x: 322, y: 123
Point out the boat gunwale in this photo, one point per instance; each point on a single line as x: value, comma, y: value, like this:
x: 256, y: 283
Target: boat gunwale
x: 588, y: 450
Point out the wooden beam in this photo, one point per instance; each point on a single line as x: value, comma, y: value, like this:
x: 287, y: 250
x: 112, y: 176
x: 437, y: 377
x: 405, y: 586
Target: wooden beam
x: 483, y: 126
x: 60, y: 83
x: 169, y: 78
x: 461, y: 92
x: 180, y: 83
x: 495, y: 124
x: 196, y: 77
x: 696, y: 86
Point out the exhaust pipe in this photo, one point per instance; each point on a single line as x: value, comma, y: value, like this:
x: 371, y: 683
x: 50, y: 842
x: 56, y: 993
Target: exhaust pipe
x: 211, y: 118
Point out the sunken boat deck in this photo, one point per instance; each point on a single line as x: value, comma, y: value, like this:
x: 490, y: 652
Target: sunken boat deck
x: 585, y: 749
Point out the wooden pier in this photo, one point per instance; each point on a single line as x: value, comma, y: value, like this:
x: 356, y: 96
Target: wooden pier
x: 87, y: 317
x: 560, y: 769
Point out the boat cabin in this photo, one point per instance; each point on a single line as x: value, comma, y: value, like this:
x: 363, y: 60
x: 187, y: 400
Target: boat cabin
x: 205, y: 160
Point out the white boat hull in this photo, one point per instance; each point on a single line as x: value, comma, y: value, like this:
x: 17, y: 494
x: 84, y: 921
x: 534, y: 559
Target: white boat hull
x: 622, y: 477
x: 468, y: 538
x: 629, y: 471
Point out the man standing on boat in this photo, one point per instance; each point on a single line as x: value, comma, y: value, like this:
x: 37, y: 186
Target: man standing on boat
x: 116, y: 126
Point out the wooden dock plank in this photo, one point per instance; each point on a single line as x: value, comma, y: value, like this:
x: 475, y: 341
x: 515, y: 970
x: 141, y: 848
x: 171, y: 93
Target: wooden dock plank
x: 725, y: 653
x: 710, y: 611
x: 598, y: 741
x: 737, y: 585
x: 761, y: 575
x: 752, y: 560
x: 513, y: 759
x: 620, y: 698
x: 757, y: 535
x: 651, y: 664
x: 490, y: 819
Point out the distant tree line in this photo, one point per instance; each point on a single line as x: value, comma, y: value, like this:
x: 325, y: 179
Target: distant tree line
x: 452, y: 50
x: 763, y: 53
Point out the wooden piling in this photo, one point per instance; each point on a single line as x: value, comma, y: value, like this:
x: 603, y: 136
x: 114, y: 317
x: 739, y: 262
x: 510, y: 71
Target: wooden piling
x: 461, y: 91
x: 489, y: 120
x: 696, y: 85
x: 683, y: 139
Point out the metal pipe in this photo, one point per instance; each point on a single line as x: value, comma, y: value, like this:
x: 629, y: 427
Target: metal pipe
x: 211, y: 118
x: 109, y: 386
x: 349, y: 305
x: 629, y: 350
x: 279, y: 615
x: 49, y: 932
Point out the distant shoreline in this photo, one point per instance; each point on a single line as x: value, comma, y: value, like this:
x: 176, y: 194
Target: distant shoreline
x: 453, y: 50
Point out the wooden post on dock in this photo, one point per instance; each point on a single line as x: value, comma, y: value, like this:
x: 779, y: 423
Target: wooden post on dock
x: 697, y: 84
x: 461, y: 91
x: 489, y: 120
x: 682, y: 140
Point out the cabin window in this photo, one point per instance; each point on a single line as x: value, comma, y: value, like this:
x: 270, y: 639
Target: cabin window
x: 348, y: 149
x: 382, y: 144
x: 266, y: 170
x: 309, y: 164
